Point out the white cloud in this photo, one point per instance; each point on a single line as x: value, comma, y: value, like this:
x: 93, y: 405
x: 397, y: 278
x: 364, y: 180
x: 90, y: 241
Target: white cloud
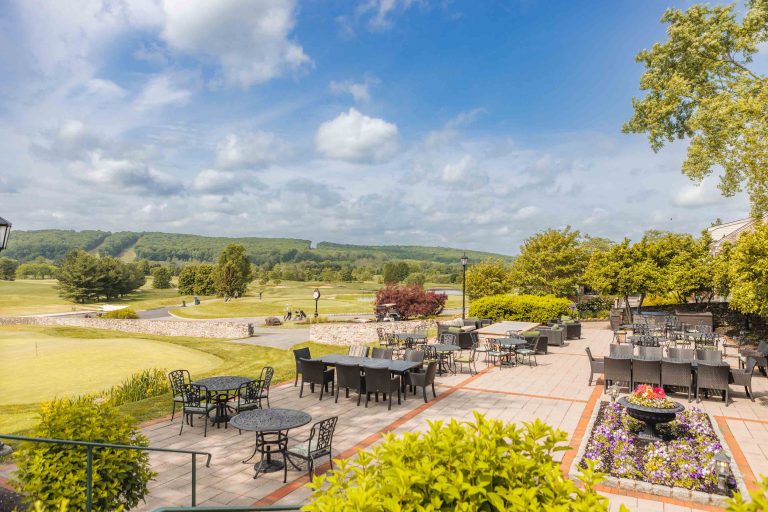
x: 249, y: 150
x: 597, y: 215
x: 360, y: 91
x: 355, y: 137
x: 248, y: 39
x: 457, y: 172
x: 125, y: 175
x: 212, y: 181
x: 696, y: 196
x: 160, y: 91
x: 526, y: 212
x: 104, y: 89
x: 381, y: 12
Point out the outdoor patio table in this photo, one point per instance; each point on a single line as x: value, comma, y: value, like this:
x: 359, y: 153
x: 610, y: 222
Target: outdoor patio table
x: 271, y: 427
x: 397, y: 366
x: 443, y: 348
x: 511, y: 345
x: 222, y: 386
x: 417, y: 337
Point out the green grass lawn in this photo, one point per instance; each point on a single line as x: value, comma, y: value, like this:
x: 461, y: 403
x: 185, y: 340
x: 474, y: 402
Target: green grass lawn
x: 60, y: 361
x: 297, y: 295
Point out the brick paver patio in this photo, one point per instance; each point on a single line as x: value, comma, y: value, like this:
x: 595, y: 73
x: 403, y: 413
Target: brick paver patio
x: 555, y: 391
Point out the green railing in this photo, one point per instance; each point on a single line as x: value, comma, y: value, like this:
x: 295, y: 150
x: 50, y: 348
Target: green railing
x: 89, y: 446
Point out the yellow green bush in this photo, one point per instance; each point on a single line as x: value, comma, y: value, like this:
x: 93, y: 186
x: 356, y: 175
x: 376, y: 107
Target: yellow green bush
x: 532, y: 308
x: 121, y: 314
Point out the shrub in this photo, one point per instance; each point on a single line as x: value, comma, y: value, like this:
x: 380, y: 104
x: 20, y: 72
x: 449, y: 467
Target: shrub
x: 55, y: 473
x: 660, y: 300
x: 141, y: 385
x: 480, y: 465
x: 759, y: 500
x: 161, y: 278
x: 121, y: 314
x: 532, y: 308
x: 416, y: 278
x: 411, y: 300
x: 595, y: 307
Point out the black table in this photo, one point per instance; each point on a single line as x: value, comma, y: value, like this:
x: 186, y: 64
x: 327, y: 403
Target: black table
x: 444, y: 348
x: 394, y: 365
x: 271, y: 427
x: 222, y: 386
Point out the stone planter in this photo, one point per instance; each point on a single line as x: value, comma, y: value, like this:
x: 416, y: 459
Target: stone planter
x: 651, y: 416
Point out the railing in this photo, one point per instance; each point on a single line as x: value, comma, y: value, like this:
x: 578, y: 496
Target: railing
x: 89, y: 446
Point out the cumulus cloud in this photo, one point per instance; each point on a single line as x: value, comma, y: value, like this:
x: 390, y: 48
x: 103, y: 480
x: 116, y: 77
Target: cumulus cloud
x: 248, y: 40
x: 360, y: 91
x: 125, y: 175
x: 212, y: 181
x: 694, y: 195
x: 162, y: 90
x: 249, y: 150
x: 457, y: 172
x: 355, y: 137
x: 378, y: 15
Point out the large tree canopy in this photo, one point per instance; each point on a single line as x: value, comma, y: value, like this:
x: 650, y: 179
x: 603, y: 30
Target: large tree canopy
x: 700, y: 87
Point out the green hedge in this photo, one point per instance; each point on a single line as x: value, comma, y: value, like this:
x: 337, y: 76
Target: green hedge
x: 530, y: 308
x: 121, y: 314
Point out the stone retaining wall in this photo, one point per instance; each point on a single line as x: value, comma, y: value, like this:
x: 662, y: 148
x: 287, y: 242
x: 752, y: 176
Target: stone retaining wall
x: 336, y: 333
x: 192, y: 328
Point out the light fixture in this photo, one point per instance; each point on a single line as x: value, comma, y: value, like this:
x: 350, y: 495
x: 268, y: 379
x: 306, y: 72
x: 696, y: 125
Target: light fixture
x: 613, y: 391
x: 464, y: 261
x: 722, y: 469
x: 5, y: 232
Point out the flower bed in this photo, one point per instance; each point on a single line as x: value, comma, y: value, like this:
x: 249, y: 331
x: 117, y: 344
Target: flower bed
x: 684, y: 459
x: 648, y: 396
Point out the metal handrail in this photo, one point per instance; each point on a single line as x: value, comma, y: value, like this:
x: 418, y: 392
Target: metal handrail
x: 90, y: 445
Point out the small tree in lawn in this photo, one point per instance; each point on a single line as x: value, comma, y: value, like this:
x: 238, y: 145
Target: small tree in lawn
x: 161, y: 278
x: 234, y: 271
x: 395, y: 271
x: 411, y: 300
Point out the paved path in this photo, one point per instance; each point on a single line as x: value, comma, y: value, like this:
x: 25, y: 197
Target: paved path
x: 283, y: 339
x: 555, y: 391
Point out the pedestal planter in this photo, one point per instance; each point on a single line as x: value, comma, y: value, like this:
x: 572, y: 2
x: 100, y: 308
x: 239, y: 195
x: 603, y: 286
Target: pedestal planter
x: 651, y: 416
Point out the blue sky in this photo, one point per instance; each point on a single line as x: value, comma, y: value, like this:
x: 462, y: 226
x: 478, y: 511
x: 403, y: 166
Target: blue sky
x: 465, y: 124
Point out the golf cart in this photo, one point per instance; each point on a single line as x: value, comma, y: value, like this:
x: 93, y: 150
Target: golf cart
x: 387, y: 313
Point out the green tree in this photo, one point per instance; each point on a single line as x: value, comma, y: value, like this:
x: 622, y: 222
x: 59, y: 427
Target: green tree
x: 550, y: 263
x: 489, y: 277
x: 416, y: 278
x: 187, y: 279
x: 748, y: 272
x: 8, y: 268
x: 86, y: 278
x: 234, y: 271
x: 395, y: 271
x: 205, y: 280
x: 161, y: 278
x: 623, y: 270
x: 683, y: 262
x: 700, y: 86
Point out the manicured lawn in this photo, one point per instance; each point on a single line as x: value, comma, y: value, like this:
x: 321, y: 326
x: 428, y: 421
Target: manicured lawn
x: 335, y: 298
x: 74, y: 360
x: 31, y: 296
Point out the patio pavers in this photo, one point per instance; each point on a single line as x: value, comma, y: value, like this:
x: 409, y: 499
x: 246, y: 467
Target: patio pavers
x: 555, y: 391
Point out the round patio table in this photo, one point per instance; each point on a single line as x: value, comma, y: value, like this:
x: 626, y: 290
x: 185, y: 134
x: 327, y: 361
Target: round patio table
x: 221, y: 386
x: 444, y: 348
x: 271, y: 427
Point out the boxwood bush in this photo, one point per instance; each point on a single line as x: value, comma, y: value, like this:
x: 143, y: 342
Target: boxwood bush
x: 55, y: 474
x: 532, y: 308
x: 121, y: 314
x: 468, y: 466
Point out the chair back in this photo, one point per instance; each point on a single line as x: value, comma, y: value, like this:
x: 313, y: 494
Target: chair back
x: 382, y: 353
x: 348, y: 376
x: 250, y: 393
x: 430, y: 373
x: 301, y: 353
x: 381, y: 333
x: 713, y: 356
x: 195, y: 395
x: 676, y: 373
x: 449, y: 338
x: 589, y: 354
x: 266, y: 376
x: 377, y: 379
x: 684, y: 354
x: 179, y: 379
x: 358, y: 351
x: 751, y: 363
x: 416, y: 356
x: 312, y: 370
x: 390, y: 339
x: 762, y: 348
x: 621, y: 350
x: 653, y: 353
x: 618, y: 369
x: 646, y: 372
x: 430, y: 352
x: 321, y: 437
x: 712, y: 376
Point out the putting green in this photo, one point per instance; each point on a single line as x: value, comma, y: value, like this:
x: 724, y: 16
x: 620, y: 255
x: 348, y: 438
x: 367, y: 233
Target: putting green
x: 39, y: 367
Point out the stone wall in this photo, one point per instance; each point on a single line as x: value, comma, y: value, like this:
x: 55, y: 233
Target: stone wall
x: 336, y: 333
x: 192, y: 328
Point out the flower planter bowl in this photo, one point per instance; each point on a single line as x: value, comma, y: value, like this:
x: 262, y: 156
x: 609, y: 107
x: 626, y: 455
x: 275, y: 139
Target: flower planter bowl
x: 651, y: 416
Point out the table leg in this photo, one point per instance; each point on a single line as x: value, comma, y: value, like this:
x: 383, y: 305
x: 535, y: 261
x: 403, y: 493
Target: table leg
x: 265, y: 442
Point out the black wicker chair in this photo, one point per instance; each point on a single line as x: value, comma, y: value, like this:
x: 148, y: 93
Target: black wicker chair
x: 314, y: 372
x: 424, y: 379
x: 712, y: 377
x: 298, y: 355
x: 179, y: 379
x: 617, y: 371
x: 743, y: 377
x: 349, y: 376
x: 197, y: 402
x: 595, y: 365
x: 646, y: 372
x: 677, y: 373
x: 318, y: 445
x: 622, y: 350
x: 708, y: 355
x: 358, y: 351
x: 650, y: 353
x: 682, y: 354
x: 382, y: 353
x: 380, y: 380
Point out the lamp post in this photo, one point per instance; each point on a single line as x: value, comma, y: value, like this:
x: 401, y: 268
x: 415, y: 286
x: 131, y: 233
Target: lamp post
x: 464, y: 261
x: 316, y: 296
x: 5, y: 232
x: 722, y: 469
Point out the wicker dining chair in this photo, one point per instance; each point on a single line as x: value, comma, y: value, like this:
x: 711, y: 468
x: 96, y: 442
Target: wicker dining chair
x: 683, y: 354
x: 349, y: 376
x: 314, y: 372
x: 424, y: 379
x: 646, y: 372
x: 617, y: 371
x: 623, y: 350
x: 677, y: 373
x: 743, y: 377
x: 651, y: 353
x: 380, y: 380
x: 711, y: 356
x: 595, y: 365
x: 298, y: 355
x: 358, y: 351
x: 382, y: 353
x: 712, y: 377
